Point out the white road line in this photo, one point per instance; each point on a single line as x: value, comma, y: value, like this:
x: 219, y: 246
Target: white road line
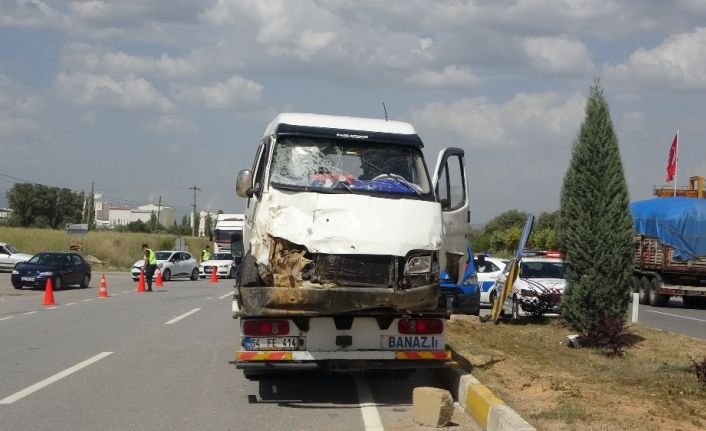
x: 125, y: 291
x: 371, y: 416
x: 676, y: 315
x: 28, y: 313
x: 5, y: 318
x: 56, y: 377
x: 225, y: 296
x: 87, y: 300
x: 51, y: 308
x: 70, y: 303
x: 209, y: 297
x: 178, y: 318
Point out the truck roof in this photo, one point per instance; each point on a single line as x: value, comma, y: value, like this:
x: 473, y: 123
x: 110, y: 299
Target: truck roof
x: 354, y: 128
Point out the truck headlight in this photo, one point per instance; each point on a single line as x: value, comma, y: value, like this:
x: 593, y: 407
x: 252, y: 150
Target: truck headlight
x: 418, y: 265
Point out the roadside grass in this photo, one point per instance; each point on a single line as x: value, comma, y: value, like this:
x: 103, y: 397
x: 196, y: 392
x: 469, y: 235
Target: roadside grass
x: 117, y: 250
x: 652, y: 386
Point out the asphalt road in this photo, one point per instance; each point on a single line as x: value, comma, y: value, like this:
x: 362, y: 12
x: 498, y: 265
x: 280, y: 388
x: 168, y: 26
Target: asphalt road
x: 673, y: 317
x: 162, y: 361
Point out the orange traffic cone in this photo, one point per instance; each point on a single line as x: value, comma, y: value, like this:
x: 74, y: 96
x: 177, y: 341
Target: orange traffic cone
x: 49, y: 293
x: 141, y: 283
x: 103, y: 290
x: 214, y: 275
x: 160, y: 280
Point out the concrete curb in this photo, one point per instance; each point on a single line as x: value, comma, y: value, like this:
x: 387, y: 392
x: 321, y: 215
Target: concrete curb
x: 478, y: 401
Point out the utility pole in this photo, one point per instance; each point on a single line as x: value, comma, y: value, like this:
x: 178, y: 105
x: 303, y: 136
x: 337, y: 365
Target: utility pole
x: 91, y: 207
x: 159, y: 207
x: 193, y: 211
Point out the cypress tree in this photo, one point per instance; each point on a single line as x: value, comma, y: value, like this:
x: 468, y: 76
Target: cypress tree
x: 595, y: 224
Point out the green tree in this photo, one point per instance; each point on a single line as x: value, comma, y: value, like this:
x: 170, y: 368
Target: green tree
x: 547, y: 220
x: 506, y: 220
x: 42, y: 206
x: 595, y: 225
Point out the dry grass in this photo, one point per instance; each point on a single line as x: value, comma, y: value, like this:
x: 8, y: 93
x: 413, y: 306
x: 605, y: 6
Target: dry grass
x: 652, y: 387
x: 118, y: 250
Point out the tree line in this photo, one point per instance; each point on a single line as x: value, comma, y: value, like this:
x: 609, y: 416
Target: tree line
x: 502, y: 233
x: 37, y: 205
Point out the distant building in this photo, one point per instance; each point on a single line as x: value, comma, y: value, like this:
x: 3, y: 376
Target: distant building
x: 144, y: 213
x: 119, y: 216
x: 5, y: 213
x: 202, y: 222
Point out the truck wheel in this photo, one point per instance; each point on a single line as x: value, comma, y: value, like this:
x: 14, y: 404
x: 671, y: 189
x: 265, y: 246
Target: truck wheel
x: 644, y: 290
x: 656, y: 298
x: 635, y: 285
x: 249, y: 275
x: 694, y: 302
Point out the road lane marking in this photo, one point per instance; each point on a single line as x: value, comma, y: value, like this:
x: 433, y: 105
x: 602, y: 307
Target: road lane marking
x: 371, y: 416
x: 125, y: 291
x: 5, y: 318
x: 178, y: 318
x: 87, y: 300
x: 28, y: 313
x: 51, y: 308
x: 70, y: 303
x: 225, y: 296
x: 676, y: 315
x: 56, y: 377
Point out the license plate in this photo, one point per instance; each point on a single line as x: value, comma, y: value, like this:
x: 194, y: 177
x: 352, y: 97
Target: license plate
x: 273, y: 343
x: 412, y: 342
x: 28, y: 278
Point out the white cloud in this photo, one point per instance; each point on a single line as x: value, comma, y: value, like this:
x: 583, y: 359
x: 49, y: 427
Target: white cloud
x: 560, y: 55
x: 170, y: 123
x: 31, y: 13
x: 524, y: 119
x: 235, y: 93
x: 679, y: 63
x: 451, y: 77
x: 130, y: 92
x: 19, y: 109
x: 83, y: 57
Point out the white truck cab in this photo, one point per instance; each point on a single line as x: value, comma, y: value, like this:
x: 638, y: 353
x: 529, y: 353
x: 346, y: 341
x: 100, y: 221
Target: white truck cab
x: 344, y: 236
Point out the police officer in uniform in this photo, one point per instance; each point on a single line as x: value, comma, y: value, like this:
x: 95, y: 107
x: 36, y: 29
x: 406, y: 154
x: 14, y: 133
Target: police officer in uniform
x: 150, y: 265
x: 205, y: 255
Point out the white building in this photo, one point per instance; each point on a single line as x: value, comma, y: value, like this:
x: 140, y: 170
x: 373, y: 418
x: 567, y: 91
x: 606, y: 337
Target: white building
x: 119, y: 216
x: 144, y: 213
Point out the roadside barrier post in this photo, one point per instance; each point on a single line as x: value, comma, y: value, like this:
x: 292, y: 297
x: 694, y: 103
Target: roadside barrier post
x: 635, y: 306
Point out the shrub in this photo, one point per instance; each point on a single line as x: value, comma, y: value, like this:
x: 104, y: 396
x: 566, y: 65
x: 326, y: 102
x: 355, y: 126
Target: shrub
x: 700, y: 370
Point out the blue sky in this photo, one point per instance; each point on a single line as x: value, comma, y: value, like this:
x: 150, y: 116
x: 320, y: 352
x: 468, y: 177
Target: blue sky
x: 148, y: 98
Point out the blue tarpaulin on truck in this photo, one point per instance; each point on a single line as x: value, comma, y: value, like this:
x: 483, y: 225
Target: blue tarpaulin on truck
x: 678, y: 222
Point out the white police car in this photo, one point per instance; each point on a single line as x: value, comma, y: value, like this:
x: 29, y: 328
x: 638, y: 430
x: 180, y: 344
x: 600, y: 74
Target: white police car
x: 488, y: 270
x: 539, y: 288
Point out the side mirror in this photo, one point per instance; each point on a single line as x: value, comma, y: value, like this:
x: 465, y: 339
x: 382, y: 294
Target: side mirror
x: 244, y: 183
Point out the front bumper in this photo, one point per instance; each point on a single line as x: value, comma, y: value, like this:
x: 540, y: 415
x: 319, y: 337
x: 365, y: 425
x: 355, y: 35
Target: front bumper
x: 205, y: 271
x: 38, y: 281
x: 315, y: 301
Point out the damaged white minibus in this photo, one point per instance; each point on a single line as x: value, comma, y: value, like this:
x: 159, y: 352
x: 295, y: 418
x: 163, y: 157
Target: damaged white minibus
x: 345, y: 235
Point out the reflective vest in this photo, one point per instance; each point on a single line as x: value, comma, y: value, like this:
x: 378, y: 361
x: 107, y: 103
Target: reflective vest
x: 151, y: 257
x: 206, y: 256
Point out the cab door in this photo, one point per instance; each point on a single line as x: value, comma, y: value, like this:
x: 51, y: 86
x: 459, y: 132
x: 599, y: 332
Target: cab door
x: 451, y: 190
x: 258, y: 169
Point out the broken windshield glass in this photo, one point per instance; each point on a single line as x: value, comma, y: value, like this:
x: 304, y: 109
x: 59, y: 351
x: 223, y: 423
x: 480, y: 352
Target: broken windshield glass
x: 342, y: 166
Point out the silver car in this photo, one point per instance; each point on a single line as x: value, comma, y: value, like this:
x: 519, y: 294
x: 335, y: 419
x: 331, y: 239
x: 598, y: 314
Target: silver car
x: 172, y: 263
x: 9, y: 256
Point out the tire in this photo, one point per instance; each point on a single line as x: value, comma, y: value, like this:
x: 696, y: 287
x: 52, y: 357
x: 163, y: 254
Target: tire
x: 694, y: 302
x: 135, y: 279
x: 58, y: 283
x: 644, y: 290
x: 655, y: 298
x: 249, y: 275
x: 635, y: 285
x: 515, y: 308
x: 492, y: 296
x: 231, y: 274
x: 16, y: 285
x: 85, y: 281
x: 167, y: 275
x: 194, y: 274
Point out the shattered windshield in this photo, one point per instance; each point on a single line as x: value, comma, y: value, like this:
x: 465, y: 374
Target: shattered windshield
x: 341, y: 166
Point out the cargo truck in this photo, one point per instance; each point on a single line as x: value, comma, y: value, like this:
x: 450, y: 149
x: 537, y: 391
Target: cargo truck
x: 345, y: 234
x: 670, y: 250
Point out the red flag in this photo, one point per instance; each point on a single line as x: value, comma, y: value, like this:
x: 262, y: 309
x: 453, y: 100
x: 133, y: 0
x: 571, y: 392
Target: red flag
x: 672, y: 162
